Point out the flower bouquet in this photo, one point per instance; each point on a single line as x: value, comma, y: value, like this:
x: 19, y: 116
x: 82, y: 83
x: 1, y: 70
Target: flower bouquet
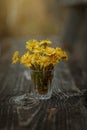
x: 40, y: 57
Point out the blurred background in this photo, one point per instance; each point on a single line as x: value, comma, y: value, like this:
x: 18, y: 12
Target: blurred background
x: 23, y: 19
x: 30, y: 17
x: 65, y: 19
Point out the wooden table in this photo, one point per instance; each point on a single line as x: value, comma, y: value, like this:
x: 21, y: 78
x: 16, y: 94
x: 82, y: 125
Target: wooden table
x: 66, y: 110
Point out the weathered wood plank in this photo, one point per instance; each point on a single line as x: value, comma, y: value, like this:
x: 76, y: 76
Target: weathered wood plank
x: 66, y: 110
x: 56, y: 113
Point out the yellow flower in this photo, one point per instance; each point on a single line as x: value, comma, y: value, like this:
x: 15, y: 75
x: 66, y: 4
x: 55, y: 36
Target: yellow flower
x: 32, y: 44
x: 45, y: 42
x: 35, y: 58
x: 26, y: 59
x: 60, y: 54
x: 15, y: 57
x: 38, y: 50
x: 53, y: 60
x: 44, y: 61
x: 49, y: 51
x: 64, y: 56
x: 40, y: 55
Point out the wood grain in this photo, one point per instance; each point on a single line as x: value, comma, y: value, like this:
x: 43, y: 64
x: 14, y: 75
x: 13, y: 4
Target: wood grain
x: 66, y: 110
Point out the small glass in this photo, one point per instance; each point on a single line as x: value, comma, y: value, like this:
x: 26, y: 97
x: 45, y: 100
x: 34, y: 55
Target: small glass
x: 42, y: 86
x: 42, y: 83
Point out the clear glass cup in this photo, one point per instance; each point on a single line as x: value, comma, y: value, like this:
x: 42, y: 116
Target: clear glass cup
x: 42, y: 83
x: 41, y: 88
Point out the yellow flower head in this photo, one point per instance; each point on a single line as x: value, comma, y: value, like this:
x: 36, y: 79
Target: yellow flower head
x: 49, y: 51
x: 38, y: 50
x: 58, y: 53
x: 64, y: 56
x: 15, y: 57
x: 44, y: 61
x: 35, y: 58
x: 26, y: 59
x: 43, y: 42
x: 32, y: 45
x: 53, y: 60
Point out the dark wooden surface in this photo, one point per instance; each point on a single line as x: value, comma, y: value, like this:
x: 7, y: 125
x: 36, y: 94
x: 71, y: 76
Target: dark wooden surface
x: 66, y: 110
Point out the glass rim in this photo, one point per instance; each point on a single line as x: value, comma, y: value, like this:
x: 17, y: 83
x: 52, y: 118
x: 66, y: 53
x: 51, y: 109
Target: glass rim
x: 40, y: 70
